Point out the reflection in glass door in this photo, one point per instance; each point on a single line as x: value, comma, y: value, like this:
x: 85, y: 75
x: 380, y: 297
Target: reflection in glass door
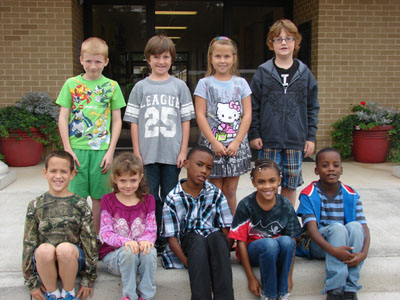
x: 191, y: 25
x: 250, y: 26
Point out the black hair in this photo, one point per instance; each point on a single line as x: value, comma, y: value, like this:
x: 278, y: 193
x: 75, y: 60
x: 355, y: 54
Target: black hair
x: 199, y: 148
x: 264, y: 164
x: 60, y: 154
x: 323, y: 150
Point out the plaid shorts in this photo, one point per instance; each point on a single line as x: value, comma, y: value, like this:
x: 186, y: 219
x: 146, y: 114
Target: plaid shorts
x: 289, y: 162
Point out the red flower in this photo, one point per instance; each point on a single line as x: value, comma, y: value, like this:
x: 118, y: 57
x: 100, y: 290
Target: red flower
x: 363, y: 103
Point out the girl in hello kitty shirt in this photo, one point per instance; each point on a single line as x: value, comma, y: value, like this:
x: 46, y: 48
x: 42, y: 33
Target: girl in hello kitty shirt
x: 128, y: 229
x: 223, y: 113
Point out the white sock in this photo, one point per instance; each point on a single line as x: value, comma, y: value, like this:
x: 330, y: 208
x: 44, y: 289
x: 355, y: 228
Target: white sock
x: 56, y: 293
x: 64, y: 293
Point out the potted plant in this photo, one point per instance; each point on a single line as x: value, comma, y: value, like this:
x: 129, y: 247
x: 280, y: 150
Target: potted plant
x: 366, y: 133
x: 26, y: 127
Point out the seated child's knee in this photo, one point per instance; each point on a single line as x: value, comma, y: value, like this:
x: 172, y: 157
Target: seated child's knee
x: 286, y: 242
x: 127, y: 256
x: 45, y: 252
x: 199, y: 241
x: 149, y: 257
x: 268, y: 245
x: 67, y: 251
x: 337, y: 228
x: 218, y: 241
x: 354, y: 226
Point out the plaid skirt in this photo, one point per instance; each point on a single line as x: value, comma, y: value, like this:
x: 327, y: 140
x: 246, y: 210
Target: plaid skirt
x: 230, y: 166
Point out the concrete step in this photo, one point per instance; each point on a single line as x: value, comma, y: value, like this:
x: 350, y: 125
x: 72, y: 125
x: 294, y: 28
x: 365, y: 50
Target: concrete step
x: 380, y: 279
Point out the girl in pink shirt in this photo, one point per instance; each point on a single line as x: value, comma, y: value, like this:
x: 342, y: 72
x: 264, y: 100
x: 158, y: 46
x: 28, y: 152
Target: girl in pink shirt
x: 128, y: 229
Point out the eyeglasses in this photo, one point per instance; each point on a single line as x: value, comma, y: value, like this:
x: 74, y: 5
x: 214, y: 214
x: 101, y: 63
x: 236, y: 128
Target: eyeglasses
x: 287, y: 39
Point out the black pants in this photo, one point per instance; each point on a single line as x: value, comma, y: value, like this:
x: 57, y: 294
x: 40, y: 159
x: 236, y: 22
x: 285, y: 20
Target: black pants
x: 209, y: 266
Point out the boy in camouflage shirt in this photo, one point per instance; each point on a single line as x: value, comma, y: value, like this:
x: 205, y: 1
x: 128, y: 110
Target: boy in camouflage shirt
x: 59, y: 238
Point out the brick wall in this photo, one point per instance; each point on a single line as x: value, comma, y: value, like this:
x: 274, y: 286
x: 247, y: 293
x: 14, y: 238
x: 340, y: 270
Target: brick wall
x: 36, y: 46
x: 358, y: 55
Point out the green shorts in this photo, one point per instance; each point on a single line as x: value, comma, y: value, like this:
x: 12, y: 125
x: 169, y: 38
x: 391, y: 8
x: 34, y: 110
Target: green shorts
x: 89, y: 181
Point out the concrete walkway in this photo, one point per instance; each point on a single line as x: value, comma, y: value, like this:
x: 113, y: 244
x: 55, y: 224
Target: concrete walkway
x: 380, y: 276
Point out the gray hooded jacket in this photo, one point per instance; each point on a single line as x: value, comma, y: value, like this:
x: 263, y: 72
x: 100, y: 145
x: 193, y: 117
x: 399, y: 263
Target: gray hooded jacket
x: 284, y: 117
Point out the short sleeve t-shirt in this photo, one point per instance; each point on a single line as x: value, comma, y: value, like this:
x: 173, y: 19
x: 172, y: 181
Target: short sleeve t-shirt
x: 91, y: 103
x: 251, y: 222
x: 224, y: 105
x: 159, y: 108
x: 332, y: 208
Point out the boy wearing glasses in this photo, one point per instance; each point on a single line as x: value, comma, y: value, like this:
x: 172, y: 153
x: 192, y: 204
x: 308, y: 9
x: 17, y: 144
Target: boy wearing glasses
x: 284, y: 107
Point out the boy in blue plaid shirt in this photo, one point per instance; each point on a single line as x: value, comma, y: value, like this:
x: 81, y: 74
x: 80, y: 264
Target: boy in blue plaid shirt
x: 196, y: 221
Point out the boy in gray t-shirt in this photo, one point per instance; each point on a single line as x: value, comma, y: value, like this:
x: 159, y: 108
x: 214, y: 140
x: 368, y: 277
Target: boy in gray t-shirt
x: 159, y: 109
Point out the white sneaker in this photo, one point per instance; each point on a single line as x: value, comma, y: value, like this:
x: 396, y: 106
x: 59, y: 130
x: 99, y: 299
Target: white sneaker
x: 284, y: 297
x: 262, y: 297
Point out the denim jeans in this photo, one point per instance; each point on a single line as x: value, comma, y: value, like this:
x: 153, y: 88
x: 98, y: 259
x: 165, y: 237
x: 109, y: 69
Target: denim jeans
x: 127, y: 265
x: 209, y: 266
x: 338, y: 274
x: 275, y: 257
x: 161, y: 179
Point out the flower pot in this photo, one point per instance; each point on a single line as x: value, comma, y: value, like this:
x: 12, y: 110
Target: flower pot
x: 371, y: 145
x: 20, y: 150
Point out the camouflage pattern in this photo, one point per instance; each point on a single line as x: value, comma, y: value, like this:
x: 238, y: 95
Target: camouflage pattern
x: 56, y: 220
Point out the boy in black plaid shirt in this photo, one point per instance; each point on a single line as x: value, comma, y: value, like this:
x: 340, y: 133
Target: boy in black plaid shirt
x: 196, y: 221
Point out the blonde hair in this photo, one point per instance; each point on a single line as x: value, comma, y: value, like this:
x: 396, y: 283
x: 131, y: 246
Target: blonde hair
x: 95, y: 46
x: 127, y: 163
x: 222, y: 40
x: 159, y: 44
x: 289, y: 27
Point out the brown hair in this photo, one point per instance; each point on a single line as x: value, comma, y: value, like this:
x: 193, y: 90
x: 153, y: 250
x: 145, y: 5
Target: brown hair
x: 289, y: 27
x: 95, y: 46
x: 264, y: 164
x: 127, y: 163
x: 158, y: 44
x: 222, y: 40
x: 60, y: 154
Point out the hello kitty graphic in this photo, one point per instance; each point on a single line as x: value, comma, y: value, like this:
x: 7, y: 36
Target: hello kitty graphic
x: 228, y: 114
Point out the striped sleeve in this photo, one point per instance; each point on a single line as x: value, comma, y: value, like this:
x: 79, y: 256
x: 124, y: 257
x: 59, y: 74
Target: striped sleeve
x: 360, y: 217
x: 187, y: 112
x: 133, y: 107
x: 187, y: 109
x: 307, y: 218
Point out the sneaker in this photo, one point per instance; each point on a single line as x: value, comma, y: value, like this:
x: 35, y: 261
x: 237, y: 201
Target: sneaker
x: 68, y: 296
x: 141, y: 298
x: 125, y: 298
x: 49, y: 296
x: 350, y: 296
x: 336, y: 294
x: 284, y: 297
x: 262, y: 297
